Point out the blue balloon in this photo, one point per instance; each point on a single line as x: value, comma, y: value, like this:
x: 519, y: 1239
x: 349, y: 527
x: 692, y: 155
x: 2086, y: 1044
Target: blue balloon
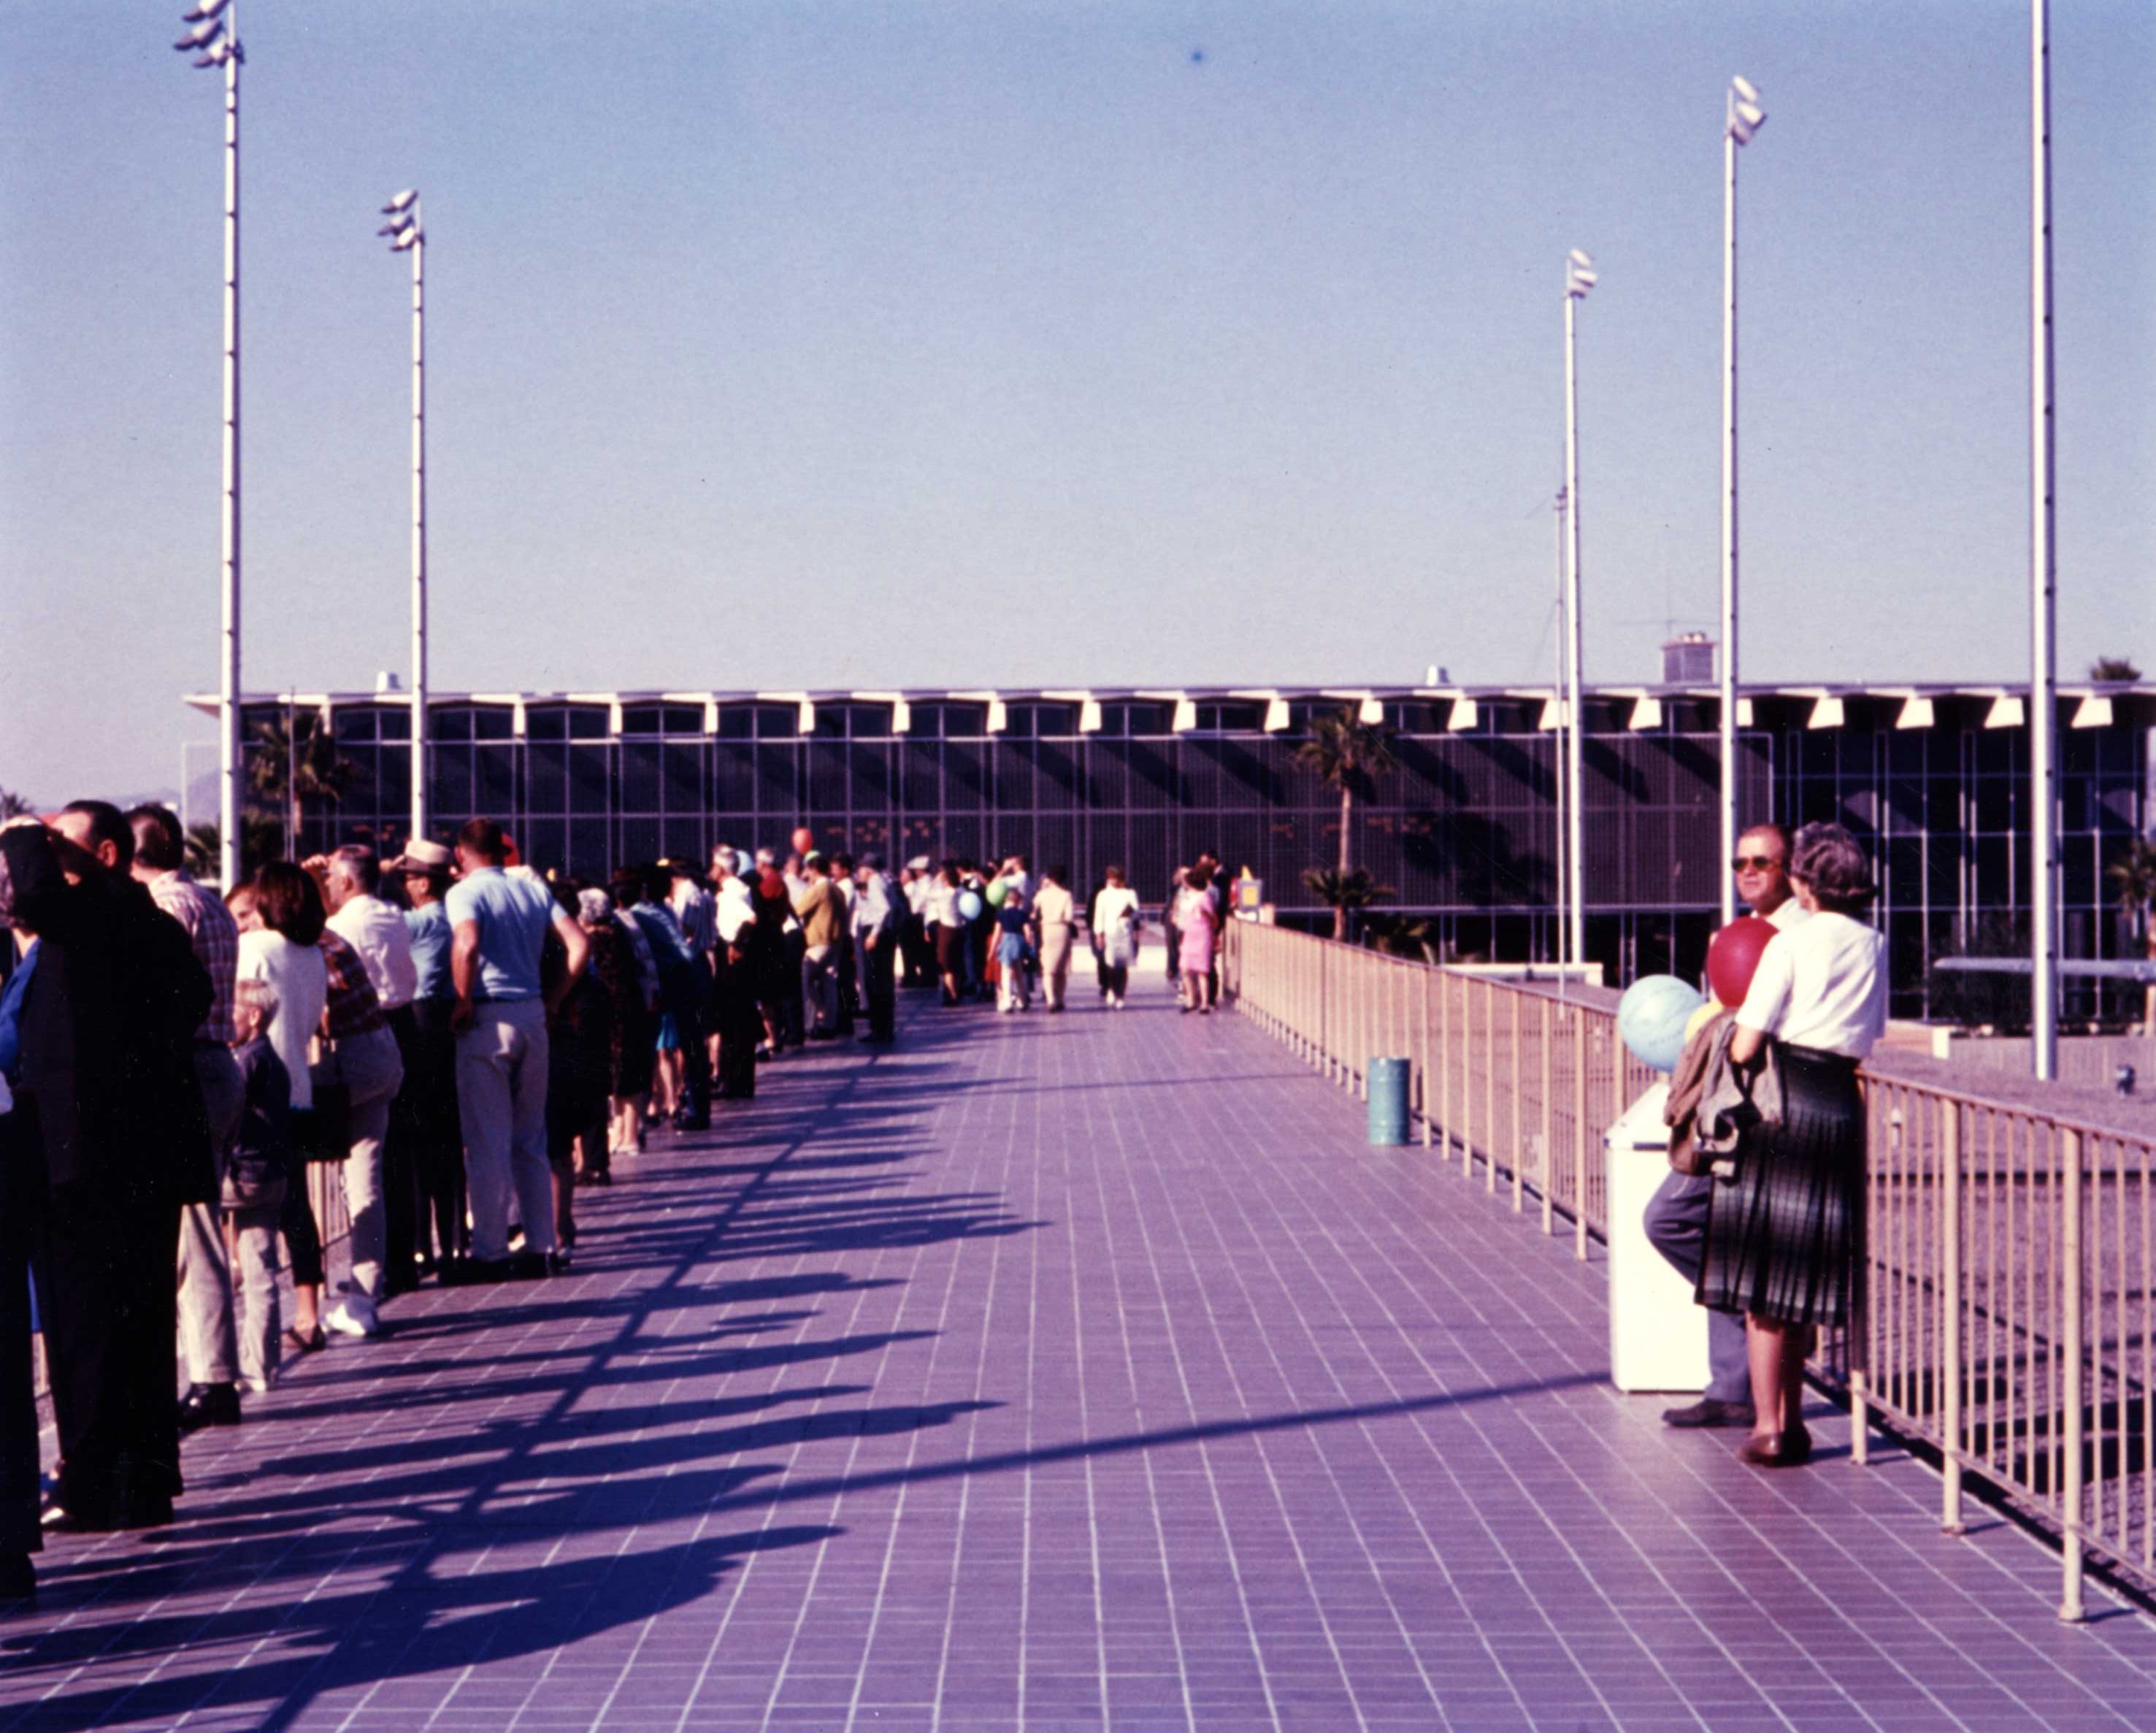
x: 969, y: 905
x: 1651, y: 1018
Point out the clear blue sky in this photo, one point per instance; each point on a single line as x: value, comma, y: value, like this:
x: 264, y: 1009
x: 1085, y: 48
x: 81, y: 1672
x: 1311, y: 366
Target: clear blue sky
x: 818, y: 344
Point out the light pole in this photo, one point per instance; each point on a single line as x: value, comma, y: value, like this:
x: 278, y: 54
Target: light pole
x: 2043, y: 574
x: 1742, y: 117
x: 1579, y: 277
x: 407, y: 235
x: 213, y: 40
x: 1564, y: 637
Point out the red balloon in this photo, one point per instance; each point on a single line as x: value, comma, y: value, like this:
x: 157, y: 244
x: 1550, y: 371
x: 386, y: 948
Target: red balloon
x: 1733, y: 957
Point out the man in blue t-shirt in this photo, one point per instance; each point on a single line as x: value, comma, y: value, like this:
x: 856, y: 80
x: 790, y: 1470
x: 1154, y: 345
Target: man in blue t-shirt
x: 499, y: 925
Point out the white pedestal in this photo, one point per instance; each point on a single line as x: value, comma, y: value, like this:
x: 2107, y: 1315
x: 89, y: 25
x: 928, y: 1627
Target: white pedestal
x: 1657, y: 1336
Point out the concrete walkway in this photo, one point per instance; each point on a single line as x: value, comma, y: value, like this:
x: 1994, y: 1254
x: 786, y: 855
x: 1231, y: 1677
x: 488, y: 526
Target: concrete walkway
x: 1046, y: 1372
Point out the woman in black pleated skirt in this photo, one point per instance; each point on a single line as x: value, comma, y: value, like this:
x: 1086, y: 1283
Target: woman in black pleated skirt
x: 1785, y: 1236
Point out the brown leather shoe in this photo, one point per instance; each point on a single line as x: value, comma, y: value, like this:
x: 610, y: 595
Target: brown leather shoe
x: 1708, y: 1411
x: 1778, y: 1450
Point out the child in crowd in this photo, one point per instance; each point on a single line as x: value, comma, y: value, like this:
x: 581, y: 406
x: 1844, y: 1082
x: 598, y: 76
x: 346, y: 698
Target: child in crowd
x: 255, y: 1181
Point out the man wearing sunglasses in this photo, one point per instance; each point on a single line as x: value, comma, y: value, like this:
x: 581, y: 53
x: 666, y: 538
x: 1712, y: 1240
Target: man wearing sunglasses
x: 1675, y: 1217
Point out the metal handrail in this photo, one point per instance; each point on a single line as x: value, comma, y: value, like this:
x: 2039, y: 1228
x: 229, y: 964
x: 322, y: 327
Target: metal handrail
x: 2008, y: 1313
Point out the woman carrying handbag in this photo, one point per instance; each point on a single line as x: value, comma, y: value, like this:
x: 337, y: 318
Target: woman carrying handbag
x: 1785, y: 1234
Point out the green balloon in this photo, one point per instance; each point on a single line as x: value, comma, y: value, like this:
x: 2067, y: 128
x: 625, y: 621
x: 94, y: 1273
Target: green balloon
x: 999, y: 890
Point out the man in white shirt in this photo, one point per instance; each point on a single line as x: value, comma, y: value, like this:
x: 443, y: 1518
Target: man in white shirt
x: 350, y: 879
x: 1676, y: 1215
x: 875, y: 924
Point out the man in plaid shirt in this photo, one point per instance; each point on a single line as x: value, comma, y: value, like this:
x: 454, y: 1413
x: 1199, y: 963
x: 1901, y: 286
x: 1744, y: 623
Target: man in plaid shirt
x: 204, y: 1273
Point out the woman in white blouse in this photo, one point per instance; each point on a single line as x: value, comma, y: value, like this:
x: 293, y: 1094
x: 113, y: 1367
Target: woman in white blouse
x: 1115, y: 922
x: 1785, y: 1238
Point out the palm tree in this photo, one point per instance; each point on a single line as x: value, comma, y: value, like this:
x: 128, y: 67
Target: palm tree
x: 2134, y: 875
x: 1340, y: 891
x: 2113, y: 667
x: 14, y: 805
x: 1346, y: 753
x: 283, y: 777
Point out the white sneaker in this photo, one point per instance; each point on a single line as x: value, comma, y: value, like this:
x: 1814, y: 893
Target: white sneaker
x: 352, y: 1315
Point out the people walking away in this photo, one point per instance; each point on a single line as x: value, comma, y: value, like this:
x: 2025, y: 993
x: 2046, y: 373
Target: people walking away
x: 793, y: 1031
x: 280, y: 918
x: 209, y: 1345
x: 737, y: 995
x: 500, y: 925
x: 1675, y: 1219
x: 947, y: 921
x: 1055, y: 928
x: 1115, y: 922
x: 1171, y: 934
x: 877, y: 923
x: 822, y: 913
x: 918, y: 944
x: 1198, y: 924
x: 980, y: 928
x: 1011, y: 922
x: 1785, y: 1239
x: 424, y: 1119
x: 106, y: 1028
x: 257, y: 1180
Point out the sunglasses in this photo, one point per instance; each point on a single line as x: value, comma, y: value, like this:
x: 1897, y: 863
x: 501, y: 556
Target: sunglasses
x: 1753, y: 863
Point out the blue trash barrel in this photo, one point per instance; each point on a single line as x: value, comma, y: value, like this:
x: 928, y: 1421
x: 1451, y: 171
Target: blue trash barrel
x: 1388, y: 1102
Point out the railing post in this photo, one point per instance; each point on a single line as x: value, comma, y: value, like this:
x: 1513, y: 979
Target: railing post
x: 1549, y: 1120
x: 1578, y: 1133
x: 2070, y: 1607
x: 1444, y: 1065
x: 1948, y: 1120
x: 1366, y: 1000
x: 1489, y: 1090
x: 1860, y: 1322
x: 1519, y: 1138
x: 1428, y: 1107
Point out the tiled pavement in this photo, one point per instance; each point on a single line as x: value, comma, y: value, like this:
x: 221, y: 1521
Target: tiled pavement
x: 1052, y: 1372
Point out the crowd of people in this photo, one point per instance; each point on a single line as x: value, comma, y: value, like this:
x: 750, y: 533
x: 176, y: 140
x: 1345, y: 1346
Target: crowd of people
x: 456, y: 1041
x: 997, y: 932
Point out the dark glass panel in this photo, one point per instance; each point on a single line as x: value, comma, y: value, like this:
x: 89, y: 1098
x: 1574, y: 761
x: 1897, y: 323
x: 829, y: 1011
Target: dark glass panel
x: 640, y: 776
x: 590, y: 784
x: 547, y: 778
x: 681, y: 773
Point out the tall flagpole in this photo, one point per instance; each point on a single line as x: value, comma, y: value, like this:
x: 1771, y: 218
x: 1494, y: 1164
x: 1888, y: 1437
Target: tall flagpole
x: 407, y: 233
x: 2043, y: 573
x: 1579, y: 278
x: 1742, y: 117
x: 214, y: 39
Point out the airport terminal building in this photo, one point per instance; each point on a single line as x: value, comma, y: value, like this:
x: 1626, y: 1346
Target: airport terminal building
x: 1934, y: 779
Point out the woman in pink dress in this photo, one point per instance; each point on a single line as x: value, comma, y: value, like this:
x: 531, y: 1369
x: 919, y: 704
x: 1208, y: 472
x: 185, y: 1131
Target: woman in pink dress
x: 1197, y: 919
